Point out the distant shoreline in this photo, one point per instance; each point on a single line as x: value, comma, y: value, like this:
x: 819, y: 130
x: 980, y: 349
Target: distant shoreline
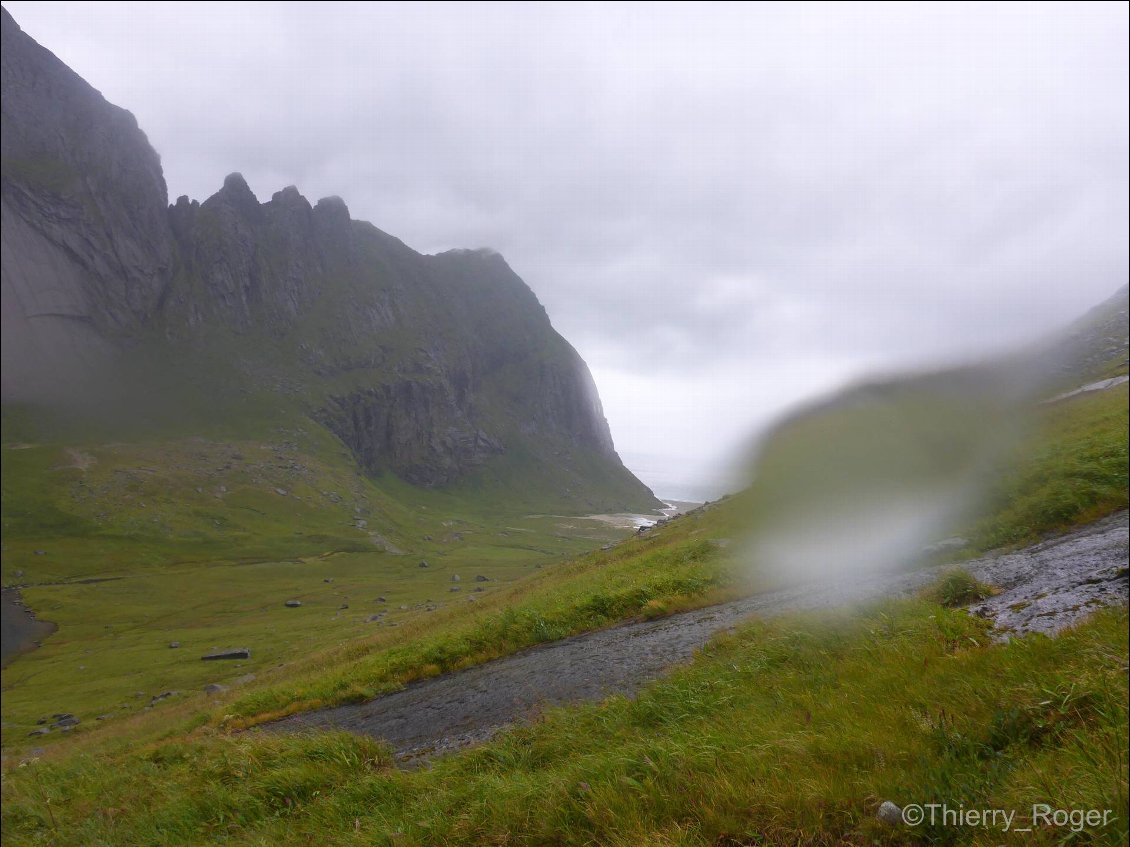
x: 635, y: 520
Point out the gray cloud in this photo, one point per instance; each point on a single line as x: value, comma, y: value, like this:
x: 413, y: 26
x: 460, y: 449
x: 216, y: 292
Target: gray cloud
x: 706, y: 198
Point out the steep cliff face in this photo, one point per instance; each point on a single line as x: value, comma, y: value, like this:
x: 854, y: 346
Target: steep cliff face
x: 428, y: 367
x: 81, y: 174
x: 86, y: 242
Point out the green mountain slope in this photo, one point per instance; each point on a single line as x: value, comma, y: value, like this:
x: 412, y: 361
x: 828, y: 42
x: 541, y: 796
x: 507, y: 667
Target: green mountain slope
x: 138, y: 319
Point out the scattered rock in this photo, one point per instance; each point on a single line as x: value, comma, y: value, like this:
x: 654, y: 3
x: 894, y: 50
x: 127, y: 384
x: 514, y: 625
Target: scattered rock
x: 243, y: 680
x: 282, y: 492
x: 214, y: 688
x: 328, y: 579
x: 890, y: 814
x: 454, y: 588
x: 455, y: 577
x: 164, y: 695
x: 103, y: 717
x: 373, y: 618
x: 343, y: 606
x: 423, y: 564
x: 292, y: 604
x: 481, y: 578
x: 173, y: 645
x: 41, y: 552
x: 380, y: 600
x: 41, y: 731
x: 231, y: 653
x: 427, y: 538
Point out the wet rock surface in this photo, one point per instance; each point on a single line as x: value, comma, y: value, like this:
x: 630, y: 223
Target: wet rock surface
x: 1055, y: 584
x: 1061, y: 580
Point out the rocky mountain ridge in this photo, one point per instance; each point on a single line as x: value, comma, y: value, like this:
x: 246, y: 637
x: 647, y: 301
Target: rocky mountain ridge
x: 424, y: 366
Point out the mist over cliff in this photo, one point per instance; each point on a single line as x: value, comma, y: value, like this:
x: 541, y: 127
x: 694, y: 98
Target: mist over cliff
x: 428, y: 367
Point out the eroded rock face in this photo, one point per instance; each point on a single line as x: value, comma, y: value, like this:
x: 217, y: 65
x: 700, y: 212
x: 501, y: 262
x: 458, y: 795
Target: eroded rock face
x: 417, y: 430
x: 424, y: 366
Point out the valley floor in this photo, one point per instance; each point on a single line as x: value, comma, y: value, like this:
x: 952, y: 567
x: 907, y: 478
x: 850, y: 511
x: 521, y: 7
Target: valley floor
x: 1043, y: 588
x: 790, y: 730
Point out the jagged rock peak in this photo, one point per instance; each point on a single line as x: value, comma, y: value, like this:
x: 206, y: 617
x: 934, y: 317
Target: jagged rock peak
x: 237, y: 193
x: 235, y: 182
x: 332, y: 208
x: 430, y: 368
x: 290, y: 196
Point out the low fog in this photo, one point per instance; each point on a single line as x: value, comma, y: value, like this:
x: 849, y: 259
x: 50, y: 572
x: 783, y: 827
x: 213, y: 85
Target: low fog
x: 727, y: 209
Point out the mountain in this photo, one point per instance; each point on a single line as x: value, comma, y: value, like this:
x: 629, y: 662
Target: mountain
x: 122, y: 309
x: 1095, y: 346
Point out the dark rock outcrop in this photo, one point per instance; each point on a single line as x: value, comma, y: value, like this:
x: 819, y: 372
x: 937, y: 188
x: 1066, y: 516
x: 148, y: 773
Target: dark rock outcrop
x: 230, y: 653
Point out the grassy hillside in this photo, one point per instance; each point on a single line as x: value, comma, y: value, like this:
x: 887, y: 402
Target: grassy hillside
x: 129, y: 546
x: 753, y: 744
x: 791, y: 732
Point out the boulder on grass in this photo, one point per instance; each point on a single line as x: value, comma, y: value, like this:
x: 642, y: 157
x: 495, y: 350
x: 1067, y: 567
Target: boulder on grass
x: 231, y: 653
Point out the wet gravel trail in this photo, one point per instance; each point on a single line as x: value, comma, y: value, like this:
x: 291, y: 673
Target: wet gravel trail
x: 1045, y: 588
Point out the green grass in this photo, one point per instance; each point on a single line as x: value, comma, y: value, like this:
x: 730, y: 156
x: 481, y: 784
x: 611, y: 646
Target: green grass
x: 128, y: 546
x: 973, y: 460
x: 789, y: 732
x: 1073, y: 469
x: 182, y: 579
x: 640, y: 578
x: 958, y: 588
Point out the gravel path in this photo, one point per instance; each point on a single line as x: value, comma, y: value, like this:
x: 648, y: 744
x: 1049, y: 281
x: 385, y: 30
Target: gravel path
x: 1045, y: 588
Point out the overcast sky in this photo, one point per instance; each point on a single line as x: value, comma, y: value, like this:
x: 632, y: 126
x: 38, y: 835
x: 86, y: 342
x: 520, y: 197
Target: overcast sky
x: 724, y: 208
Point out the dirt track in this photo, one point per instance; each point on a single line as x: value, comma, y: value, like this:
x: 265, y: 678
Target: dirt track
x: 1044, y: 588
